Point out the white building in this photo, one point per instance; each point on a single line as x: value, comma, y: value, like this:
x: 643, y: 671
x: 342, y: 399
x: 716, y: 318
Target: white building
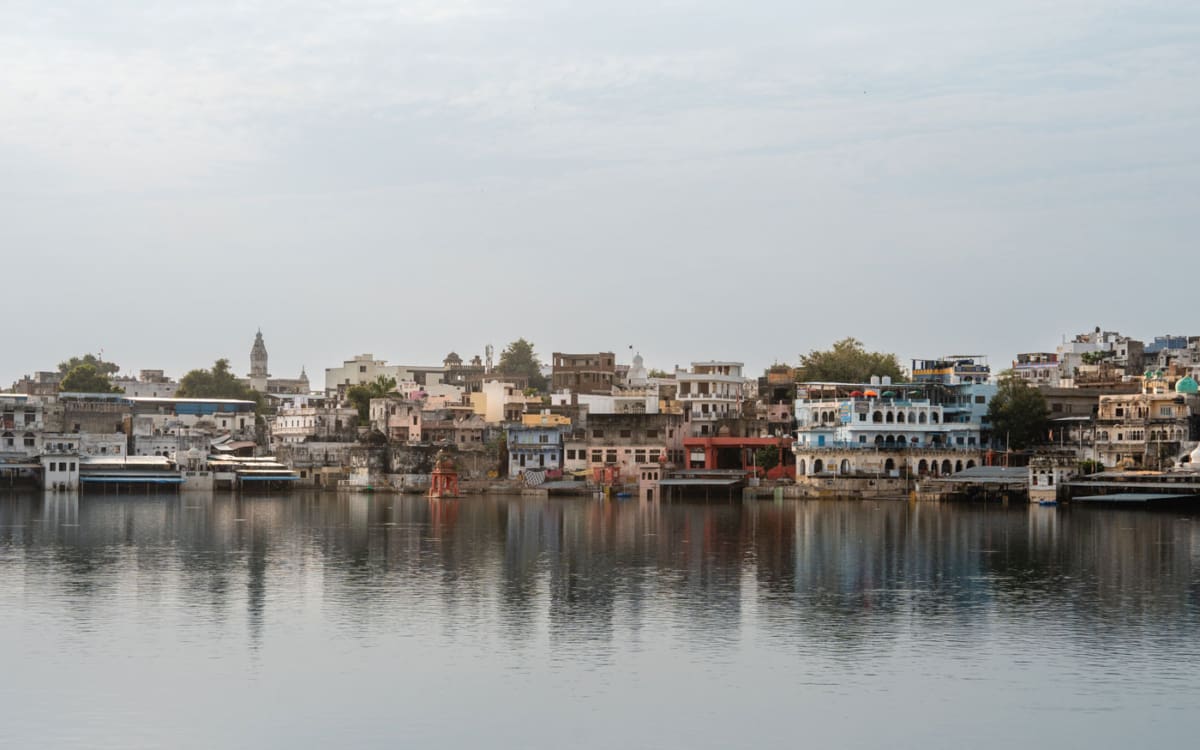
x: 873, y: 421
x: 711, y: 391
x: 641, y: 401
x: 304, y: 418
x: 148, y: 384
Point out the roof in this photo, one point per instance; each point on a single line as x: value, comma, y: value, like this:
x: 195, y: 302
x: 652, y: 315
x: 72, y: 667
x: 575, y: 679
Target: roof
x: 161, y: 400
x: 1132, y: 497
x: 125, y: 462
x: 731, y: 482
x: 987, y: 474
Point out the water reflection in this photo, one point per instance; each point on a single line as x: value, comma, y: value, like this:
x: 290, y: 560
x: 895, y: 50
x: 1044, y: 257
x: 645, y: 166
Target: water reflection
x: 851, y: 570
x: 840, y: 594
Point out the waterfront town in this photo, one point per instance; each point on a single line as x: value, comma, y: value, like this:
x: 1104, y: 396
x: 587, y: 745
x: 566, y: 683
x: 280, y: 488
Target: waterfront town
x: 1100, y: 417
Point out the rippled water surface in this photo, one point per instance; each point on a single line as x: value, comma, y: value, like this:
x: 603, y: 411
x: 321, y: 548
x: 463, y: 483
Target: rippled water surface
x: 357, y: 621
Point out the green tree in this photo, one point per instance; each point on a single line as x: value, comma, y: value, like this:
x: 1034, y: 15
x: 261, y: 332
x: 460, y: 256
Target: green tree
x: 85, y: 378
x: 1018, y: 414
x: 654, y: 373
x: 847, y: 362
x: 102, y: 367
x: 360, y: 395
x: 519, y: 359
x: 767, y: 458
x: 219, y: 382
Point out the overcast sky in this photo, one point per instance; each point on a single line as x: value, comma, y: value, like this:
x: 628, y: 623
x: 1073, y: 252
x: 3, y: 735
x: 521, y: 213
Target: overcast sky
x: 697, y: 179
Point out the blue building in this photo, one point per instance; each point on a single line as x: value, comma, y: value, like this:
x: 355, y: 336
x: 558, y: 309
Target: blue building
x: 531, y: 448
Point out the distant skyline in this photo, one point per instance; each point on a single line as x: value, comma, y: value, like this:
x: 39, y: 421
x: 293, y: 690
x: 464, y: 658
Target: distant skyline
x: 316, y: 374
x: 702, y: 180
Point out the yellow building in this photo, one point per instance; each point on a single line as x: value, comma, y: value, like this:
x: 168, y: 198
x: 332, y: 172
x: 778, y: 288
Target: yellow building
x: 545, y: 419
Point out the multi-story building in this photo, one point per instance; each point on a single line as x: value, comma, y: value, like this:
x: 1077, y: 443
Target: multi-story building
x: 534, y: 448
x: 213, y: 417
x: 21, y: 423
x: 845, y: 429
x: 397, y: 418
x: 1150, y: 429
x: 40, y: 384
x: 363, y: 369
x: 466, y: 432
x: 619, y: 443
x: 628, y: 401
x: 584, y: 373
x: 870, y: 419
x: 1037, y: 368
x: 1095, y: 347
x: 304, y: 418
x: 500, y: 401
x: 961, y: 385
x: 148, y: 384
x: 710, y: 392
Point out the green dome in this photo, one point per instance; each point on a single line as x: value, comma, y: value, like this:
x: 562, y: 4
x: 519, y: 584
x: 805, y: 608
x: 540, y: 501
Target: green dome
x: 1187, y: 385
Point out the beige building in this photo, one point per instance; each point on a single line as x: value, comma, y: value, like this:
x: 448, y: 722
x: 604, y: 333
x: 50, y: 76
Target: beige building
x: 1149, y: 430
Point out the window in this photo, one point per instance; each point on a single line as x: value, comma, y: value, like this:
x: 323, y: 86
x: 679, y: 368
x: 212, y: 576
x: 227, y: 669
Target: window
x: 362, y: 368
x: 625, y: 433
x: 651, y: 434
x: 980, y: 400
x: 596, y: 457
x: 610, y: 456
x: 543, y: 438
x: 597, y: 433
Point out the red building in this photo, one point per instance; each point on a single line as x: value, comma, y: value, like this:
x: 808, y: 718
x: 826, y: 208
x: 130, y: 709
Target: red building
x: 739, y: 453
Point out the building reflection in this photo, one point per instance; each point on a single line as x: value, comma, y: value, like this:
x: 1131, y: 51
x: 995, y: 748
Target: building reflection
x: 851, y: 576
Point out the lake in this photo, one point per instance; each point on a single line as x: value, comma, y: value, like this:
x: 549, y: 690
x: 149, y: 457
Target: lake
x: 325, y: 620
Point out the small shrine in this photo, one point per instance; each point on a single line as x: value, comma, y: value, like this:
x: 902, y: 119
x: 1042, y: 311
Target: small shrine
x: 444, y: 480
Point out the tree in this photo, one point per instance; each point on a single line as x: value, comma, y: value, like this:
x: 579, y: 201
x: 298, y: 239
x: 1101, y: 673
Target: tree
x: 360, y: 395
x: 102, y: 367
x: 520, y: 360
x: 1018, y: 413
x: 767, y: 458
x: 219, y: 382
x: 654, y: 373
x: 85, y: 378
x: 848, y: 362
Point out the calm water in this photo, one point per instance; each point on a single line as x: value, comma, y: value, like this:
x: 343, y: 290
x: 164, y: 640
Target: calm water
x: 354, y: 621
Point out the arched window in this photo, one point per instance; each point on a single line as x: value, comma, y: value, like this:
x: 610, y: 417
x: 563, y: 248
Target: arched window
x: 946, y: 467
x: 923, y: 467
x: 957, y: 466
x: 818, y: 466
x: 921, y: 418
x: 890, y: 417
x: 877, y: 417
x: 889, y: 465
x: 844, y: 468
x: 933, y: 417
x: 971, y: 464
x: 879, y: 440
x: 891, y: 440
x: 801, y: 468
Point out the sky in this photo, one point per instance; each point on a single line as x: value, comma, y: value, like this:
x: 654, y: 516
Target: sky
x: 697, y: 180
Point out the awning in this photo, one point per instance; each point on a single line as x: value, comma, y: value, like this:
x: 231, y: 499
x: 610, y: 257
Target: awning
x: 131, y: 480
